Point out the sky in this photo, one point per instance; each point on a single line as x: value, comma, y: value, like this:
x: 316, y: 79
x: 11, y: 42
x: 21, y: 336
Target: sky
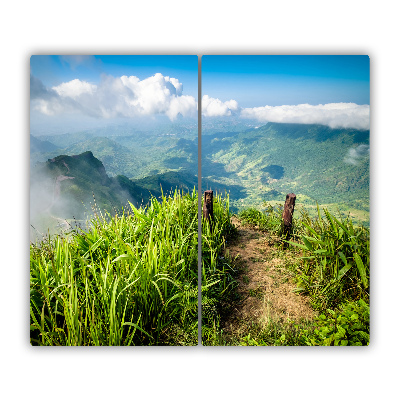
x: 53, y: 70
x: 330, y: 90
x: 78, y: 92
x: 73, y: 92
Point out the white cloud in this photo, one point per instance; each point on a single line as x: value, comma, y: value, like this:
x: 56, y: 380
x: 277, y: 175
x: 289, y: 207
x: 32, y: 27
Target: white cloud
x: 212, y: 107
x: 184, y: 105
x: 335, y: 115
x: 74, y: 88
x: 116, y: 97
x: 356, y: 153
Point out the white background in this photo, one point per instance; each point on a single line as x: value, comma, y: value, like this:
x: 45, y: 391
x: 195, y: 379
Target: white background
x: 203, y: 27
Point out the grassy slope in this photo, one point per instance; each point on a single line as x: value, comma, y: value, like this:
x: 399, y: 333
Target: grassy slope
x: 333, y: 273
x: 129, y: 280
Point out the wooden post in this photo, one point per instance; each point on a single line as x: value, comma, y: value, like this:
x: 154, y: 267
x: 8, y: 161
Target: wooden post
x: 208, y: 212
x: 287, y: 215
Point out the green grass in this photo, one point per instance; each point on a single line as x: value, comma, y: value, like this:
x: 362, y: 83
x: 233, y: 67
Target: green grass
x: 218, y: 274
x: 268, y: 220
x: 331, y: 267
x: 347, y: 326
x: 335, y: 262
x: 129, y: 280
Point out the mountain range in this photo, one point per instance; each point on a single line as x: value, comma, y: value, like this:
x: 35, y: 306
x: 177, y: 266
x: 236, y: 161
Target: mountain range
x: 317, y: 163
x: 254, y: 165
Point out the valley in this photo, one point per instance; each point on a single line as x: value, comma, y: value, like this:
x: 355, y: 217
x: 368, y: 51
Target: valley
x: 105, y: 168
x: 317, y: 163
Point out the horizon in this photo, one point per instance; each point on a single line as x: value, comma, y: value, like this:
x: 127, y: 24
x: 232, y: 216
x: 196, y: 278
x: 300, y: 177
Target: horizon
x: 72, y: 93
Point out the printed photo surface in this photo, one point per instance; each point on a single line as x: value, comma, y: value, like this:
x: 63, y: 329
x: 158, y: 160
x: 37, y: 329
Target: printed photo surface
x: 285, y: 158
x: 113, y: 200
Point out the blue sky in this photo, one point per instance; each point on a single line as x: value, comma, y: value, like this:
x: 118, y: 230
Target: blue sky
x: 53, y: 70
x: 78, y: 91
x: 327, y: 90
x: 275, y: 80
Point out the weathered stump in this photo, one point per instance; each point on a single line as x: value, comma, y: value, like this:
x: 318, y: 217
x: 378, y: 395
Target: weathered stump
x: 287, y: 215
x: 208, y: 212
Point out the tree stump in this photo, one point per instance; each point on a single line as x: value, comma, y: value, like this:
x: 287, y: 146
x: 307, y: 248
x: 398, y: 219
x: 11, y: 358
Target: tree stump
x: 287, y: 215
x: 208, y: 212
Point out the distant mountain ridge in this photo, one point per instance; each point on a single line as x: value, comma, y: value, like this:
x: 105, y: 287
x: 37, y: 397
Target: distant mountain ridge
x: 124, y: 151
x: 41, y: 146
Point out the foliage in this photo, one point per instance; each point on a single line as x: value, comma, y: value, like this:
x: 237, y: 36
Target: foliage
x: 129, y: 280
x: 333, y: 270
x: 277, y: 333
x: 348, y: 326
x: 335, y: 262
x: 336, y: 256
x: 218, y: 275
x: 269, y: 220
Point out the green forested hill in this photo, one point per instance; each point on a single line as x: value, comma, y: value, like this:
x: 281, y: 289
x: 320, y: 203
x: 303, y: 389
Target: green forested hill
x: 167, y: 182
x: 317, y: 163
x: 117, y: 159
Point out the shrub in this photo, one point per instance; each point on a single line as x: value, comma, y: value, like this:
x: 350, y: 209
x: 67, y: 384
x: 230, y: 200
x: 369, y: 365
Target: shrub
x: 335, y: 265
x: 348, y: 326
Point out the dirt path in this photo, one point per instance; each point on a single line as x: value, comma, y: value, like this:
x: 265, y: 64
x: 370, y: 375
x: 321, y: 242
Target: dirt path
x: 265, y: 285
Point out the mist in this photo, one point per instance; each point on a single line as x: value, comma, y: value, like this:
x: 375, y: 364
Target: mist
x: 61, y: 202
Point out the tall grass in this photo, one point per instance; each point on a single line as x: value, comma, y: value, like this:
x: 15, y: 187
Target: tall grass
x: 269, y: 219
x: 336, y: 259
x: 218, y: 275
x: 334, y: 266
x: 128, y: 280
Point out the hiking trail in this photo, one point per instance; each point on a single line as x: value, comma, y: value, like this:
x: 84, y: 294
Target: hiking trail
x: 265, y: 286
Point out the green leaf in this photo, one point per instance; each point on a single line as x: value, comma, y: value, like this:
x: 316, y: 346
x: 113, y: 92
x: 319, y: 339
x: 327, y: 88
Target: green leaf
x: 342, y: 257
x: 298, y: 245
x: 122, y: 257
x: 343, y: 271
x: 361, y: 269
x: 308, y: 244
x: 137, y: 327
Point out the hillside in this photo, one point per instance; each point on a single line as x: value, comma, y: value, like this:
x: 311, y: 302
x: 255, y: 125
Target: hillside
x: 255, y: 165
x: 41, y: 146
x: 168, y: 181
x: 63, y: 187
x: 66, y: 188
x: 318, y: 163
